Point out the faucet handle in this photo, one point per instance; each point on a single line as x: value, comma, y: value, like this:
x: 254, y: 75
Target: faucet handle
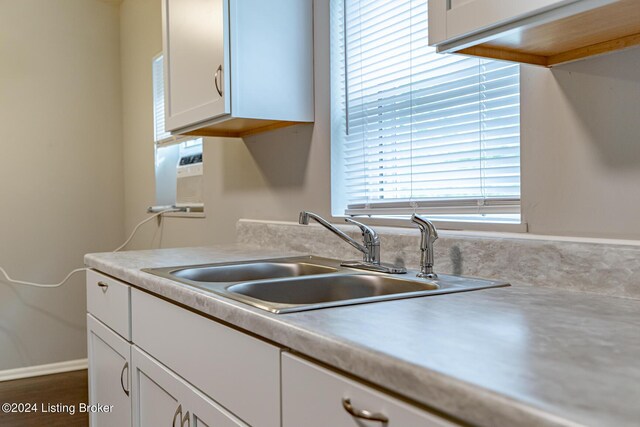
x: 371, y: 242
x: 303, y: 219
x: 369, y: 234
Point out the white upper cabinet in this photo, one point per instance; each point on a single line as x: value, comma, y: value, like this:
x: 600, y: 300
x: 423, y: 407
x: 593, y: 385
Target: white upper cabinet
x: 235, y: 67
x: 542, y: 32
x: 195, y: 36
x: 464, y: 17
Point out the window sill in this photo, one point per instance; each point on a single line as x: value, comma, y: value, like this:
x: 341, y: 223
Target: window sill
x: 184, y: 215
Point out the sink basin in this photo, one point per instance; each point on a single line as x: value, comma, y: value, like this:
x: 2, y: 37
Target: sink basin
x: 330, y: 288
x: 285, y: 285
x: 251, y: 271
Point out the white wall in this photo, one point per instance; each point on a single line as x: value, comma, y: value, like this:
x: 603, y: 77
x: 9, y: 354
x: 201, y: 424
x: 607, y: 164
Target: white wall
x: 250, y: 178
x: 580, y: 149
x: 61, y: 183
x: 77, y: 160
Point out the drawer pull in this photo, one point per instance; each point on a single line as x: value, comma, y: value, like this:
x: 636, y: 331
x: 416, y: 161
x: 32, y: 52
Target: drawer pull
x: 103, y: 286
x: 178, y: 412
x: 124, y: 368
x: 362, y: 413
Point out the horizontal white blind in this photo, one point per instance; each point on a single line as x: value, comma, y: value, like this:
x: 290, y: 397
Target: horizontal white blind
x: 420, y: 130
x: 159, y: 134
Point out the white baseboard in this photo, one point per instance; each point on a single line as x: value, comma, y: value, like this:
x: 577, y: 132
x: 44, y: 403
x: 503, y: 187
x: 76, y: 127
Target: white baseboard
x: 36, y: 371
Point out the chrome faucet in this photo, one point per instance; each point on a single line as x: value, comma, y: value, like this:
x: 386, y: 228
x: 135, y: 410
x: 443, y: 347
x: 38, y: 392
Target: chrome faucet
x: 370, y: 249
x: 429, y: 236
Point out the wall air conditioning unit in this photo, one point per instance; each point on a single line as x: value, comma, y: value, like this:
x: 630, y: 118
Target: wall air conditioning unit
x: 189, y: 182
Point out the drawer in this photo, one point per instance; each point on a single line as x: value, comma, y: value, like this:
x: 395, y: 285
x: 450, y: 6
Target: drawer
x: 239, y: 372
x: 313, y: 396
x: 109, y: 300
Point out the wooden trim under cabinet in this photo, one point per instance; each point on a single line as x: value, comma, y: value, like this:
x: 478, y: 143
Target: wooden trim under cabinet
x: 599, y: 31
x: 236, y: 127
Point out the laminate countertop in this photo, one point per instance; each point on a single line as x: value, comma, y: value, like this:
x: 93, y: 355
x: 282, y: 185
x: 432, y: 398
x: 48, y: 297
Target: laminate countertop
x: 516, y: 356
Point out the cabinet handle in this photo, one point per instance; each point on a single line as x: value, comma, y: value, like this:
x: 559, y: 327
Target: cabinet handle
x: 124, y: 368
x: 178, y: 412
x: 103, y: 286
x: 186, y: 419
x: 215, y: 79
x: 363, y: 414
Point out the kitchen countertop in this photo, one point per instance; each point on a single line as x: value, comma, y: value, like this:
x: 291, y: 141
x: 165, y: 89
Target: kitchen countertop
x: 517, y: 356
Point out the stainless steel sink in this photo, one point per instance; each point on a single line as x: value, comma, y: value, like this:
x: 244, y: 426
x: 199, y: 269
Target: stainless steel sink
x: 305, y: 283
x: 330, y: 288
x: 251, y: 271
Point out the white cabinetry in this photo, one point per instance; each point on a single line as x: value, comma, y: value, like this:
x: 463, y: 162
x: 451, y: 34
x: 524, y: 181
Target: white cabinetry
x: 317, y: 397
x: 195, y: 35
x: 161, y: 398
x: 238, y: 371
x: 182, y: 369
x: 450, y: 20
x: 109, y: 373
x: 542, y: 32
x: 235, y: 67
x: 109, y: 301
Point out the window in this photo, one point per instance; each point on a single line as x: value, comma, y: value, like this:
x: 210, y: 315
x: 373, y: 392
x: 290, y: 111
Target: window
x: 417, y: 131
x: 179, y: 171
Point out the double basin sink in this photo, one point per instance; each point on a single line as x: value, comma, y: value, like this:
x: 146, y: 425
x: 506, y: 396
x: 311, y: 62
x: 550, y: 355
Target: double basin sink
x: 285, y: 285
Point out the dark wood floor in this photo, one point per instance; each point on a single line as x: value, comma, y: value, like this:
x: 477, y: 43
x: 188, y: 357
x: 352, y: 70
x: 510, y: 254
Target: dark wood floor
x: 69, y: 388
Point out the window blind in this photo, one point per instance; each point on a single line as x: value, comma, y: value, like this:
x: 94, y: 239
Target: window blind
x: 159, y: 134
x: 417, y: 131
x: 168, y: 148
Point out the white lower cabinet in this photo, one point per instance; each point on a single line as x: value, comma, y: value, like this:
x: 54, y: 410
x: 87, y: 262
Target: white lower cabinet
x: 240, y: 372
x: 109, y: 362
x: 109, y: 301
x: 161, y: 398
x: 313, y: 396
x: 181, y: 369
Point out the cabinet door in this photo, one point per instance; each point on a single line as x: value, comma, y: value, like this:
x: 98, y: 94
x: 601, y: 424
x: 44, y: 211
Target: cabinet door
x: 457, y: 18
x: 161, y: 398
x: 466, y: 16
x: 195, y: 46
x: 315, y: 397
x: 109, y: 357
x: 153, y: 404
